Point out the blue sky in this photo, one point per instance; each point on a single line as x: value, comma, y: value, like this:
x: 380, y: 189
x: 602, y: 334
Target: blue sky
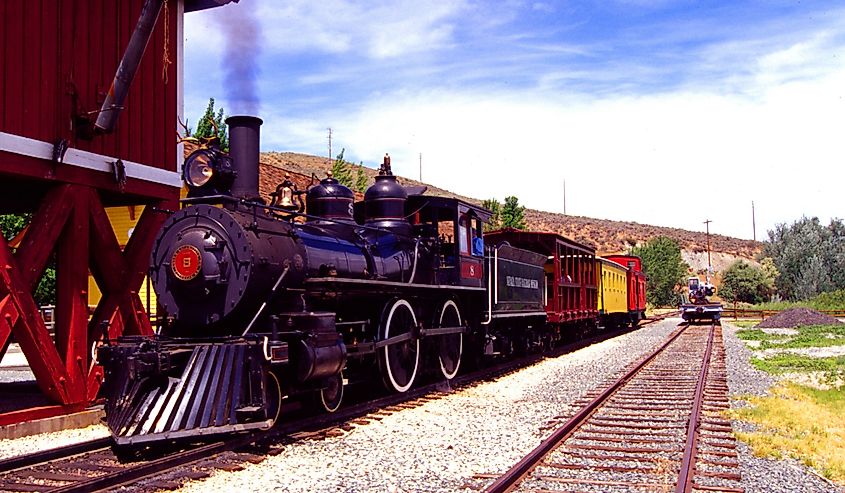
x: 693, y: 108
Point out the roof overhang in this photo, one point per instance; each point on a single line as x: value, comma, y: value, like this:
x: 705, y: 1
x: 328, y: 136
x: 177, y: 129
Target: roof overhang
x: 194, y: 5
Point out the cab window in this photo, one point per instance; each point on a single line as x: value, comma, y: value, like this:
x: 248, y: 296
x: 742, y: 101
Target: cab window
x: 463, y: 235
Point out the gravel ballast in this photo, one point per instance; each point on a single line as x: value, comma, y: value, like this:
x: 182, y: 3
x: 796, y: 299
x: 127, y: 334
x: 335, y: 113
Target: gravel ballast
x: 440, y: 445
x: 763, y: 475
x: 46, y: 441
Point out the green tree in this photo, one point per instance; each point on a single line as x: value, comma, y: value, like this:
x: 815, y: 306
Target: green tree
x: 361, y: 180
x: 809, y: 256
x: 744, y: 282
x: 341, y: 170
x: 664, y: 267
x: 12, y: 224
x: 205, y: 126
x: 45, y: 291
x: 513, y: 214
x: 495, y: 207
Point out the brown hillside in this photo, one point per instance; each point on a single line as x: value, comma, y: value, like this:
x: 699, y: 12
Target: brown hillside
x: 606, y: 235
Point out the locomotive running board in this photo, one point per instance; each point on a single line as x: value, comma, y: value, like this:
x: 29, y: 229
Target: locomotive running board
x: 219, y: 390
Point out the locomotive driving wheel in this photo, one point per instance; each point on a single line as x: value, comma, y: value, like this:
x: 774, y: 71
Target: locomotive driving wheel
x: 399, y: 361
x: 450, y: 347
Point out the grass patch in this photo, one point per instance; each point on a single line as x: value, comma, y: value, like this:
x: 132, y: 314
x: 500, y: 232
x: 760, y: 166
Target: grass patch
x: 789, y: 362
x: 808, y: 336
x: 799, y: 422
x: 834, y: 300
x: 744, y: 324
x: 759, y: 335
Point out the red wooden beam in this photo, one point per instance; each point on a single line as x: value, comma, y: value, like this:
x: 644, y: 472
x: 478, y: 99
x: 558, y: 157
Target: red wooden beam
x: 119, y: 277
x: 42, y: 233
x: 72, y: 293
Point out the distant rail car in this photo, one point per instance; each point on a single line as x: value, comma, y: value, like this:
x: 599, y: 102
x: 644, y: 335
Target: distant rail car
x: 699, y: 306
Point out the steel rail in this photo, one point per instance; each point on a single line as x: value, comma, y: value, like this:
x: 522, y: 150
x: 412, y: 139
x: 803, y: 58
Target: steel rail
x: 53, y: 454
x: 506, y: 482
x: 684, y: 484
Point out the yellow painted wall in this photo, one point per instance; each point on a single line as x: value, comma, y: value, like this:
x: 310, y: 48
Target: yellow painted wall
x: 614, y: 288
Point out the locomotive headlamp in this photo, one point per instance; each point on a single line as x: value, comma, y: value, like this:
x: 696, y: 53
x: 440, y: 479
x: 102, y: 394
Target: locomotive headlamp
x: 208, y: 172
x: 198, y: 169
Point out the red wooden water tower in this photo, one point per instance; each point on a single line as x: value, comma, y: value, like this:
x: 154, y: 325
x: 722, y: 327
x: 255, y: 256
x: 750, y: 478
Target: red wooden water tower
x: 90, y: 93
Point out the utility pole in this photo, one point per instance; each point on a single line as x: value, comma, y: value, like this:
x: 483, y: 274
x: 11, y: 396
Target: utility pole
x: 709, y: 265
x: 330, y: 144
x: 753, y: 221
x: 564, y: 197
x: 420, y: 167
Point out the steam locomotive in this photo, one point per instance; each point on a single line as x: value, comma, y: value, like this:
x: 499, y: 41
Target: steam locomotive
x: 264, y: 303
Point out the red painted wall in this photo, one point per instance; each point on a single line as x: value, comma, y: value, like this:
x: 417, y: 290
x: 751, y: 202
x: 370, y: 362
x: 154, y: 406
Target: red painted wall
x: 58, y: 57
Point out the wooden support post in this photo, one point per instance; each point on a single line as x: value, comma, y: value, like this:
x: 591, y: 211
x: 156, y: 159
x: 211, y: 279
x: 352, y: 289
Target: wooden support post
x: 72, y: 295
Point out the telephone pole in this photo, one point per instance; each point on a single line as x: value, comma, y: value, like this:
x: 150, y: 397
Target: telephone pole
x: 330, y: 144
x: 753, y: 221
x: 564, y: 197
x: 420, y: 167
x: 709, y: 265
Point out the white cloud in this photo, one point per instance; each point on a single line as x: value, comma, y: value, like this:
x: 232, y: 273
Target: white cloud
x: 682, y: 157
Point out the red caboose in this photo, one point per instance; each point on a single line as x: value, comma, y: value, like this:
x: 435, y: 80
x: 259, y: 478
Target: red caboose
x: 636, y: 284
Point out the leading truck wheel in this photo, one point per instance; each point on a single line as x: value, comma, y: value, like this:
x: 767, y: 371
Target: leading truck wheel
x: 332, y: 394
x: 450, y: 346
x: 274, y: 398
x: 399, y: 361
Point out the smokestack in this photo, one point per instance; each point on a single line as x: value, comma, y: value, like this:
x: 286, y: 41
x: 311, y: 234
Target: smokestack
x: 244, y: 141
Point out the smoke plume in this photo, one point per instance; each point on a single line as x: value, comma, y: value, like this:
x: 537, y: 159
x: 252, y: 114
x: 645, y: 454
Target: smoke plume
x: 242, y: 38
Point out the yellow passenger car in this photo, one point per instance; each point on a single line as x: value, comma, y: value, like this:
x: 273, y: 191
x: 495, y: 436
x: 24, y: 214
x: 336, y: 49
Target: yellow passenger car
x: 613, y: 294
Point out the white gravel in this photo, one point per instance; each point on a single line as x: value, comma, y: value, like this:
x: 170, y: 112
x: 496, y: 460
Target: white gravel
x: 760, y: 475
x: 440, y: 445
x: 46, y: 441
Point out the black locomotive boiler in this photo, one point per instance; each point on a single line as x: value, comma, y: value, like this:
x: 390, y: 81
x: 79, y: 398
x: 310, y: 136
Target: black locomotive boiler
x: 262, y: 302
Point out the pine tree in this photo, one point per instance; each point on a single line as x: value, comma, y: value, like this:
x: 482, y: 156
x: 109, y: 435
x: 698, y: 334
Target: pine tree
x: 495, y: 207
x: 341, y: 171
x: 513, y: 214
x: 205, y: 126
x: 361, y: 181
x: 222, y: 133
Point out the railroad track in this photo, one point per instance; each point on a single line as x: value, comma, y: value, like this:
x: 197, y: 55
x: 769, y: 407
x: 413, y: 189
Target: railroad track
x: 92, y: 466
x: 654, y: 429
